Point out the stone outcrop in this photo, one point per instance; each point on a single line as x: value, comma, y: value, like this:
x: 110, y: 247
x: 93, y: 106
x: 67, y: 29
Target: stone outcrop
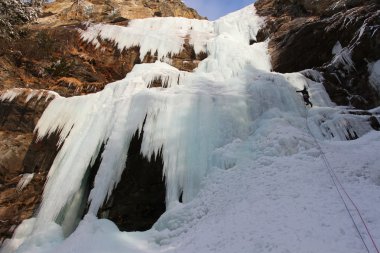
x: 22, y: 155
x: 16, y: 205
x: 71, y: 11
x: 19, y: 203
x: 12, y: 14
x: 51, y: 55
x: 337, y: 38
x: 57, y: 59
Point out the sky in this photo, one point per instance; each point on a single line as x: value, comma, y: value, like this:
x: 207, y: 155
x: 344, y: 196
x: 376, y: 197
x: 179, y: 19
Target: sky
x: 214, y: 9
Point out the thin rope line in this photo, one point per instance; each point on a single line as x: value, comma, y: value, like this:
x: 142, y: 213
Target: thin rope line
x: 336, y: 181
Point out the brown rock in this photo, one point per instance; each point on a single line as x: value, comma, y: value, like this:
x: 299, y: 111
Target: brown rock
x: 15, y: 206
x: 302, y: 35
x: 22, y: 113
x: 13, y: 147
x: 20, y: 154
x: 12, y: 14
x: 63, y: 12
x: 57, y: 59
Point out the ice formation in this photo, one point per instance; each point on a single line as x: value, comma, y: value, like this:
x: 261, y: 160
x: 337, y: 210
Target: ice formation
x: 231, y: 112
x: 343, y: 57
x: 337, y: 48
x: 374, y: 78
x: 24, y: 181
x: 10, y: 94
x: 188, y: 120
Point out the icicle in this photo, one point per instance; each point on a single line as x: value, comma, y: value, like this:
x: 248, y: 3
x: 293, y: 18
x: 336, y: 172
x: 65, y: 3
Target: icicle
x: 10, y: 94
x: 24, y: 181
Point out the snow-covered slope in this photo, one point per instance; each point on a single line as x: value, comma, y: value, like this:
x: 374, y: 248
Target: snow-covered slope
x: 236, y: 140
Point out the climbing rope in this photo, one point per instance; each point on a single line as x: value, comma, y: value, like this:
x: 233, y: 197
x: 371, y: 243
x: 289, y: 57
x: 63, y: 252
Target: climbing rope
x: 339, y: 187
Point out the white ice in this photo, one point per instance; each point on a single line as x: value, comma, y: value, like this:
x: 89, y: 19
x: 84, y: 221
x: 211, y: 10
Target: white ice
x: 10, y: 94
x: 343, y: 59
x: 162, y: 35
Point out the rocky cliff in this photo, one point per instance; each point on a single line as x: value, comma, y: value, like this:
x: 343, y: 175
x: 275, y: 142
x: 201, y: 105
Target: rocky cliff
x: 339, y: 39
x: 24, y: 161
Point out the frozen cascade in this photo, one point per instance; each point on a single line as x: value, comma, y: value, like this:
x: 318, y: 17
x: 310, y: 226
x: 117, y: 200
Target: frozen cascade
x: 231, y: 96
x: 198, y: 106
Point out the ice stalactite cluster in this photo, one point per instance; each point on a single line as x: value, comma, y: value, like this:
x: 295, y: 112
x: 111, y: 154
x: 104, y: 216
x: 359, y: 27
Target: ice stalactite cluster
x: 10, y: 94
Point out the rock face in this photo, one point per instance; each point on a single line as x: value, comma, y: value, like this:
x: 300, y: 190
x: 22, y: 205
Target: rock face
x: 18, y: 119
x: 22, y: 155
x: 56, y: 59
x: 69, y: 11
x: 337, y: 38
x: 13, y: 13
x: 49, y: 55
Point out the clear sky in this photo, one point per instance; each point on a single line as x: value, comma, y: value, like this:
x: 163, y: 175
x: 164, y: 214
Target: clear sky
x: 214, y: 9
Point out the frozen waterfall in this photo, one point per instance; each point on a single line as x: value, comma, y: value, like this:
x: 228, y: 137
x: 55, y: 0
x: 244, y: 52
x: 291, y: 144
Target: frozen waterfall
x: 196, y: 114
x: 232, y: 96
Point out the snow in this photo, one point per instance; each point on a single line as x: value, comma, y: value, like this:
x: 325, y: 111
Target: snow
x: 26, y: 239
x: 236, y: 140
x: 263, y: 204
